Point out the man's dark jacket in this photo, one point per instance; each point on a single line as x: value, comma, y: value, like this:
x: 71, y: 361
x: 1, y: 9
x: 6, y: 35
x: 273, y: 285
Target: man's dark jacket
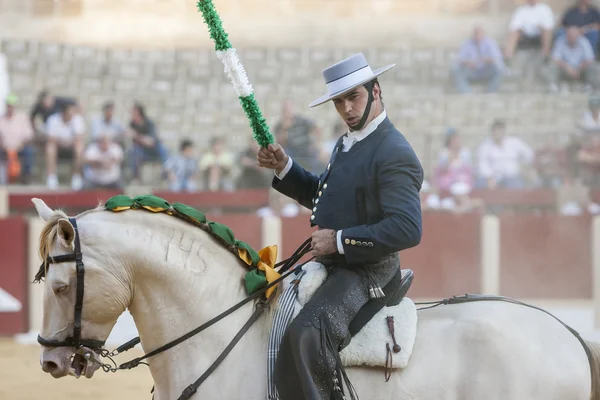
x: 371, y: 193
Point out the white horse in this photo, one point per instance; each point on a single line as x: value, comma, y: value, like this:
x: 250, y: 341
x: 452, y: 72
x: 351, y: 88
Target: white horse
x: 173, y: 276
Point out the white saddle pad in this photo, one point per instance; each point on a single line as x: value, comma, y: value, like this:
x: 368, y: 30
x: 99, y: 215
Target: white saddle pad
x: 368, y: 347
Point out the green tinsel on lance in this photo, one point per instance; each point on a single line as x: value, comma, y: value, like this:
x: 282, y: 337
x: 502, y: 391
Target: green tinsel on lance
x: 215, y: 25
x: 257, y: 121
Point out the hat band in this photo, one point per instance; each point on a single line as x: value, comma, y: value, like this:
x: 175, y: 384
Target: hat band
x: 350, y: 80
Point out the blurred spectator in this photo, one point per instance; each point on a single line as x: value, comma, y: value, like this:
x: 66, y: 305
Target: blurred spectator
x: 530, y: 26
x: 430, y: 201
x: 146, y: 144
x: 65, y: 133
x: 573, y: 60
x: 589, y: 158
x: 327, y: 145
x: 108, y: 125
x: 16, y: 134
x: 252, y: 176
x: 479, y: 60
x: 459, y: 200
x: 454, y: 164
x: 586, y: 17
x: 590, y: 122
x: 216, y: 166
x: 4, y: 83
x: 182, y: 169
x: 45, y: 106
x: 103, y: 160
x: 549, y: 164
x: 572, y: 167
x: 298, y: 136
x: 500, y: 159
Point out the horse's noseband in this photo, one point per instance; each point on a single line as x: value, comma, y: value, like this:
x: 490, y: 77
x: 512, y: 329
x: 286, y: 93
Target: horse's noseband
x: 75, y: 340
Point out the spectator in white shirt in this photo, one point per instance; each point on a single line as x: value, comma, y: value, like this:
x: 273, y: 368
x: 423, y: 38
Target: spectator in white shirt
x: 531, y: 25
x: 65, y: 135
x: 500, y: 159
x: 103, y: 159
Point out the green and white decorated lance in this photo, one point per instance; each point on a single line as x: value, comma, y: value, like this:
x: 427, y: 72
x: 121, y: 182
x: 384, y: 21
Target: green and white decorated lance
x: 236, y: 72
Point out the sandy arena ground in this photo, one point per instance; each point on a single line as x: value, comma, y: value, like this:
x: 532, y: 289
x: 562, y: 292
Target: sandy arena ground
x: 22, y: 378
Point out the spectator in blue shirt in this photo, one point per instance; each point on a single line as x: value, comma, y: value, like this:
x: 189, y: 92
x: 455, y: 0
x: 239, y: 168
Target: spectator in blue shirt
x: 107, y: 124
x: 587, y: 18
x: 479, y: 59
x: 573, y: 59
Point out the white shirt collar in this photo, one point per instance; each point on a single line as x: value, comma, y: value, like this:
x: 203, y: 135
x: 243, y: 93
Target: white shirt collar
x: 366, y: 131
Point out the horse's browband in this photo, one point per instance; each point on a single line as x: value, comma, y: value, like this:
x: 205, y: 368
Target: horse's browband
x: 41, y: 274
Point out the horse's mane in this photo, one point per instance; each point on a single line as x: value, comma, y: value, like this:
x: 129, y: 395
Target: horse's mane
x: 48, y: 237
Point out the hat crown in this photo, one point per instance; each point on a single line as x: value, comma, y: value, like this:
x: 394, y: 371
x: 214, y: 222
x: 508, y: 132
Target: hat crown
x: 345, y: 67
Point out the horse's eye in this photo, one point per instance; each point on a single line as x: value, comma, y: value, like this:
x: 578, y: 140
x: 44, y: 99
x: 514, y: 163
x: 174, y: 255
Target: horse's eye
x: 61, y: 289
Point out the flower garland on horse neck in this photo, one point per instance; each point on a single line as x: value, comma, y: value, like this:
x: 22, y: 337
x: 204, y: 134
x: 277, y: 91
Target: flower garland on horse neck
x: 236, y: 72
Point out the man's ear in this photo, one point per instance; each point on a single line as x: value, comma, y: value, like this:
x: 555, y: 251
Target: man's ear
x: 376, y: 91
x: 66, y: 233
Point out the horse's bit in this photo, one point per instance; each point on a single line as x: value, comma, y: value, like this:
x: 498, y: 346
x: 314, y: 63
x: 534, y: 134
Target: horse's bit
x: 77, y: 342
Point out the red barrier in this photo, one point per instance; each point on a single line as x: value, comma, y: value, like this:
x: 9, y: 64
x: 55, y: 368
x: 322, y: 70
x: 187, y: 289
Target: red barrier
x: 545, y: 256
x: 243, y: 199
x: 13, y: 276
x: 70, y: 202
x: 517, y: 198
x: 245, y: 227
x: 294, y: 231
x: 447, y: 261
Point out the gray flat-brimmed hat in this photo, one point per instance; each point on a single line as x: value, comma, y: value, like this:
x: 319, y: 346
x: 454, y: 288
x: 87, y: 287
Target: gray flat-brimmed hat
x: 346, y: 75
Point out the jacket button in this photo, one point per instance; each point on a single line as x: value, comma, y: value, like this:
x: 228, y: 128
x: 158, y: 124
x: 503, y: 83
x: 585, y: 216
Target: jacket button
x: 353, y: 242
x: 325, y: 186
x: 320, y: 193
x: 312, y: 217
x: 347, y: 241
x: 370, y: 244
x: 359, y: 244
x: 316, y: 201
x: 329, y: 166
x: 314, y: 209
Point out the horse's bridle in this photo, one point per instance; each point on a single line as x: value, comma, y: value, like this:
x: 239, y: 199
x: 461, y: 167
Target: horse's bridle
x: 75, y: 340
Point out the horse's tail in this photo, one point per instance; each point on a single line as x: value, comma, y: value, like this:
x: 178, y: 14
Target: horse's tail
x: 594, y: 356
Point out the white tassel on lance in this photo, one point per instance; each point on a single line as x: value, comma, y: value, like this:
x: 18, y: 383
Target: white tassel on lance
x: 236, y: 72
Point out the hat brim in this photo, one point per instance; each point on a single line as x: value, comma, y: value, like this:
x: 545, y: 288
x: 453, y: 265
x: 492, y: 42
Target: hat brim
x: 331, y: 96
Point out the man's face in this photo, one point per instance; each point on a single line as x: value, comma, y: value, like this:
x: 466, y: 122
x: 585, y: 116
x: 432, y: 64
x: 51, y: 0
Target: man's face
x: 532, y: 2
x: 108, y: 113
x: 48, y: 101
x: 68, y: 113
x: 572, y: 34
x: 351, y: 105
x: 478, y: 33
x: 498, y: 133
x: 188, y: 152
x: 287, y: 109
x: 585, y: 3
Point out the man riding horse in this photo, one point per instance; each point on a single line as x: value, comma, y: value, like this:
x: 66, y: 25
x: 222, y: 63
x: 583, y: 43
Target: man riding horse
x: 367, y: 208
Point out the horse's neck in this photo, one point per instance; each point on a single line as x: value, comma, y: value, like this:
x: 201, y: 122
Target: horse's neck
x: 183, y: 278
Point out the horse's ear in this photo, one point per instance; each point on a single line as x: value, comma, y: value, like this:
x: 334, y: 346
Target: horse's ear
x: 66, y: 233
x: 43, y: 210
